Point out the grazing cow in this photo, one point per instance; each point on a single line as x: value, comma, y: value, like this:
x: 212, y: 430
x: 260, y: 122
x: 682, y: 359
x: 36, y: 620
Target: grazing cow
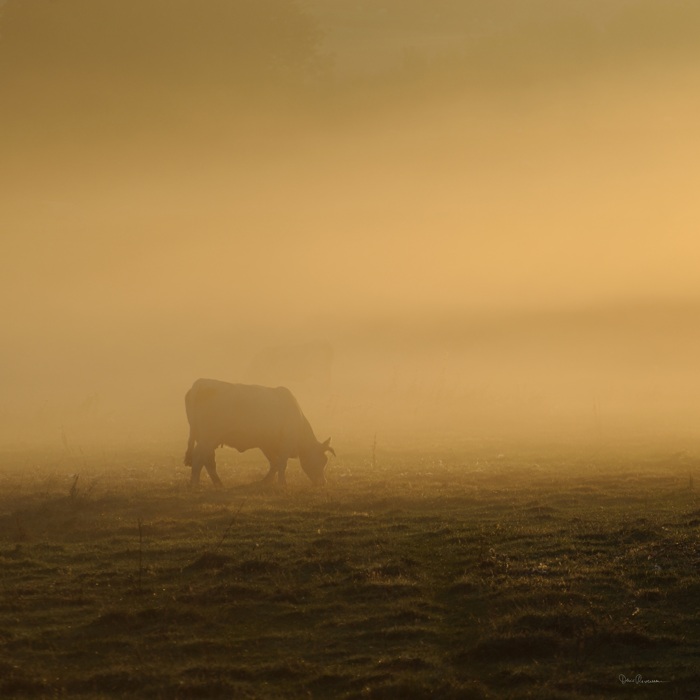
x: 246, y: 416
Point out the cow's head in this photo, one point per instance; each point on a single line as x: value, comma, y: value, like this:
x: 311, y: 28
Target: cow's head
x: 314, y: 462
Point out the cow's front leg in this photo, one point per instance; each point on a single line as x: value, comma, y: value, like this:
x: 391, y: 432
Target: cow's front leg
x: 277, y: 466
x: 270, y: 476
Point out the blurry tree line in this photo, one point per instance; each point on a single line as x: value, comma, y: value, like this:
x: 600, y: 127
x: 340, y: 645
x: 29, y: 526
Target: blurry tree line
x: 111, y: 65
x: 499, y: 43
x: 122, y: 63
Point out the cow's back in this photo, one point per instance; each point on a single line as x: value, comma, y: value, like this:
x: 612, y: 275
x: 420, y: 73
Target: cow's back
x: 243, y: 415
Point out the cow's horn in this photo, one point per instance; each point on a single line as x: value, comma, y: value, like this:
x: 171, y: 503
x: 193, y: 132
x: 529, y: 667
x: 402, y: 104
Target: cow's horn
x: 327, y: 447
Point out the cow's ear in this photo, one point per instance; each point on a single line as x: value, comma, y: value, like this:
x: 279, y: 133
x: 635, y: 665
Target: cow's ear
x: 327, y: 447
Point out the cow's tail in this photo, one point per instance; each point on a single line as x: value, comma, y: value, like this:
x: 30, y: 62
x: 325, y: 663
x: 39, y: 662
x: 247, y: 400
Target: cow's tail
x: 190, y: 448
x: 189, y: 398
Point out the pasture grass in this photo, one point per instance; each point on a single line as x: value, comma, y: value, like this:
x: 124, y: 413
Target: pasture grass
x: 474, y: 574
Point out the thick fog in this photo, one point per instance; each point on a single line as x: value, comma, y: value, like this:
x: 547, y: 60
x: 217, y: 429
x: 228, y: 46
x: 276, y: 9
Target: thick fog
x: 432, y: 219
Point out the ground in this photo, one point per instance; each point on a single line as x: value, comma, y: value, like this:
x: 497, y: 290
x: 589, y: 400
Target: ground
x: 493, y: 571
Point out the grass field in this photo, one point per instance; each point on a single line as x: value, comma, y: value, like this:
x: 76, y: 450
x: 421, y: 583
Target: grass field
x: 494, y: 572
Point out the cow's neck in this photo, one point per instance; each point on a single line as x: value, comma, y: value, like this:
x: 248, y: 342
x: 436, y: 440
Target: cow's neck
x: 307, y: 439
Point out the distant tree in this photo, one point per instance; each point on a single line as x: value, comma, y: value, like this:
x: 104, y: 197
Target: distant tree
x: 509, y: 43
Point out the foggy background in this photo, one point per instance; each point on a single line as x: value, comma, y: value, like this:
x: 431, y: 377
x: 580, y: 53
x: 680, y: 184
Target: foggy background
x: 432, y: 220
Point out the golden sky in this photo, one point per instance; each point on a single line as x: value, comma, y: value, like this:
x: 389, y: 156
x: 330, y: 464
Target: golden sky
x: 172, y: 182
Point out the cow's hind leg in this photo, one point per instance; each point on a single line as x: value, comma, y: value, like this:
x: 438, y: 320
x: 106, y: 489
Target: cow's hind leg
x: 210, y: 464
x: 203, y: 456
x: 197, y: 465
x: 281, y: 468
